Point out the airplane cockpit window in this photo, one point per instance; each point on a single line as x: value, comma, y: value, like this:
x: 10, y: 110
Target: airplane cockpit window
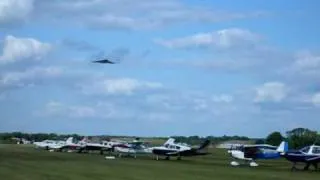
x: 316, y: 150
x: 305, y: 149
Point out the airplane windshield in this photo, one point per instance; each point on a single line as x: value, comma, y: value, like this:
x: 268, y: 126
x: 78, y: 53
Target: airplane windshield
x: 305, y: 149
x: 316, y: 150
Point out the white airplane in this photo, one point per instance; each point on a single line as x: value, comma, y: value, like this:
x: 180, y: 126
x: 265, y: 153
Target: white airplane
x: 67, y: 145
x: 170, y: 148
x: 87, y: 146
x: 45, y: 144
x: 250, y: 153
x: 132, y: 148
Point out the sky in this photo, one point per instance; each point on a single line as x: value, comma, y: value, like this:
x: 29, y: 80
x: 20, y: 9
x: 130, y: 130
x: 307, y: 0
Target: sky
x: 185, y: 67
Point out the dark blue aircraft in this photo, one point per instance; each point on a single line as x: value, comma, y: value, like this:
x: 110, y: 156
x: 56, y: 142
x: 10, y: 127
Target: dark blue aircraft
x: 310, y: 155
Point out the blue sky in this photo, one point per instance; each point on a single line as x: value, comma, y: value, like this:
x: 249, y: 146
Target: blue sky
x: 187, y: 67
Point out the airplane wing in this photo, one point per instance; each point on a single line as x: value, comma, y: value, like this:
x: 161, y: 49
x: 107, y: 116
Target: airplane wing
x: 315, y: 158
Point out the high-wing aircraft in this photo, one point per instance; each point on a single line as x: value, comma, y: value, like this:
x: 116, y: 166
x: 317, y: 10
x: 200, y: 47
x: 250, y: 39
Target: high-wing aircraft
x: 310, y: 155
x: 132, y: 148
x: 170, y: 148
x: 250, y: 153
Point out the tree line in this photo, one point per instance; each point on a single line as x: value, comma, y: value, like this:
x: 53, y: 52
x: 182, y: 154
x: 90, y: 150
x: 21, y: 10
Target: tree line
x: 297, y: 138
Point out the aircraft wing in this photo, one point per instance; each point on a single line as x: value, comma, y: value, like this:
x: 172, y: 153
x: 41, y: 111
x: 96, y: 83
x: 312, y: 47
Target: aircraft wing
x: 314, y: 159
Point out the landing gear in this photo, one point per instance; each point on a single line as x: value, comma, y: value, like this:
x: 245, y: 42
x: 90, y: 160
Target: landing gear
x: 306, y: 167
x: 253, y: 164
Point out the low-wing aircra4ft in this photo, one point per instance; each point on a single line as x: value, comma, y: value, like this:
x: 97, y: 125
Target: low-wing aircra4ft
x: 170, y: 148
x: 132, y: 148
x: 310, y: 155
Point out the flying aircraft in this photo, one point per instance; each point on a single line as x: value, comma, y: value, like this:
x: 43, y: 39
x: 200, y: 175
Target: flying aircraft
x: 101, y: 58
x: 250, y: 153
x: 104, y: 61
x: 310, y: 155
x: 170, y: 148
x: 132, y: 148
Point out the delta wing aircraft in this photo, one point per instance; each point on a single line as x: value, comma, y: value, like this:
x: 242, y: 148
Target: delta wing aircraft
x: 250, y: 153
x: 170, y: 148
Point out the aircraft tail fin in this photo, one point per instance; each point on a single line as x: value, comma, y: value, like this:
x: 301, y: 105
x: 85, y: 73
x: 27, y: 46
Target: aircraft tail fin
x: 69, y: 140
x: 169, y: 141
x: 283, y: 147
x: 205, y: 144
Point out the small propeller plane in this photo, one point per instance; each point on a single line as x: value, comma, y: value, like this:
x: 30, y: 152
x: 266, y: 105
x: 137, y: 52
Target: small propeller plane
x: 87, y: 146
x: 250, y: 153
x: 132, y: 148
x: 68, y: 145
x: 310, y: 155
x: 170, y: 148
x: 45, y: 144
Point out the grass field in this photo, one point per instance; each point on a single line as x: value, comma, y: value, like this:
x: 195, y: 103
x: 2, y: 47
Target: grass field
x: 19, y: 162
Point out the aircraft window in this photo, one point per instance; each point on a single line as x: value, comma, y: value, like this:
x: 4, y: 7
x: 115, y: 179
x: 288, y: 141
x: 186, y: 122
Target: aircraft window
x: 316, y: 150
x: 305, y: 149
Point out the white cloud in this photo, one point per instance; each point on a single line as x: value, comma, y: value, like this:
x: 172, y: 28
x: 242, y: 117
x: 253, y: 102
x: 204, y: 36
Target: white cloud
x: 271, y: 91
x: 127, y: 14
x: 222, y: 98
x: 316, y: 99
x: 54, y: 108
x: 29, y: 76
x: 125, y: 86
x: 17, y: 49
x: 13, y: 11
x: 226, y: 38
x: 104, y: 110
x: 306, y: 63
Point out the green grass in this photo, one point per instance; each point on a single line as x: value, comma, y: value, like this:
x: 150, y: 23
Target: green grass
x: 19, y: 162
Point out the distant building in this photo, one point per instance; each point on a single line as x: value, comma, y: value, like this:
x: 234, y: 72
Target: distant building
x: 21, y: 140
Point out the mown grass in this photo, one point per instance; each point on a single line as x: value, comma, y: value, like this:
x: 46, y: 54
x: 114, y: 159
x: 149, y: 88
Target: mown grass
x: 19, y: 162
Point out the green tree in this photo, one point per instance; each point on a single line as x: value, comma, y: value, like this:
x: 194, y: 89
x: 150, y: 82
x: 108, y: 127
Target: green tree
x: 274, y: 138
x: 301, y: 137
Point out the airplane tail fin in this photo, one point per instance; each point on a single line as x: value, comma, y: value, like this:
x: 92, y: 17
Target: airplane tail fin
x: 283, y: 147
x: 205, y: 144
x: 69, y: 140
x: 169, y: 141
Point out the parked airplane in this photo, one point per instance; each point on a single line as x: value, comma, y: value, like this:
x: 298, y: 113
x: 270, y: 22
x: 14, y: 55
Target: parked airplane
x: 310, y: 155
x: 45, y: 144
x: 250, y: 153
x: 170, y: 148
x: 132, y: 148
x: 68, y: 145
x: 87, y: 146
